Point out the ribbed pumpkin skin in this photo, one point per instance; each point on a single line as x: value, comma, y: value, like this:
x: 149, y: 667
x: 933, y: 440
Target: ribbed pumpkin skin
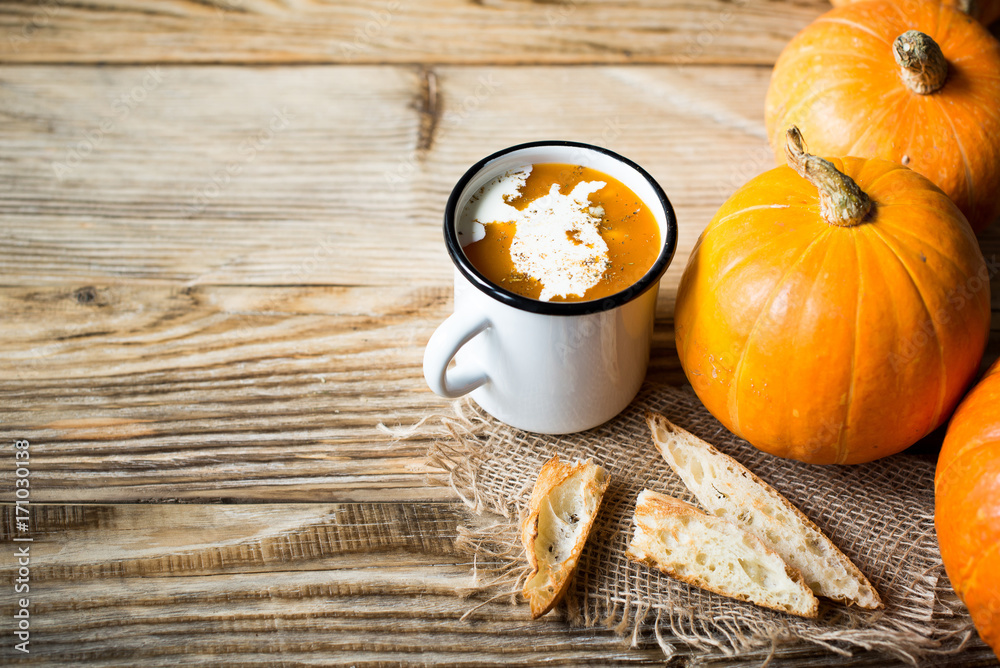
x: 838, y: 81
x: 986, y: 11
x: 833, y: 344
x: 967, y: 504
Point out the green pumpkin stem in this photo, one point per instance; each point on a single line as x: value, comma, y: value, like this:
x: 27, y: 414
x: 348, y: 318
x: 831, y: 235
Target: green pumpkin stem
x: 923, y: 66
x: 842, y: 202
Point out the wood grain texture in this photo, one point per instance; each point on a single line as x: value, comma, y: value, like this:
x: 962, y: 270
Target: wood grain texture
x: 216, y: 280
x: 218, y: 394
x: 322, y: 584
x: 396, y: 31
x: 244, y: 347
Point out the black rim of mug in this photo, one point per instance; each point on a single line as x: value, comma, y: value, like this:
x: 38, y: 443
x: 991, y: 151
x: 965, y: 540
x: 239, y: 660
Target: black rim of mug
x: 517, y: 301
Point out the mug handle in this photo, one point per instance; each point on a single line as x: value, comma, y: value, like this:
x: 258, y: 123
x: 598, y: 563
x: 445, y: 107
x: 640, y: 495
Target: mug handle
x: 452, y: 334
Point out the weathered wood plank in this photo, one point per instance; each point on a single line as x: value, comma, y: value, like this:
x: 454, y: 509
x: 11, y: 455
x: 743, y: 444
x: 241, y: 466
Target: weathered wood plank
x: 93, y: 542
x: 135, y: 175
x: 302, y: 582
x: 343, y: 584
x: 438, y: 31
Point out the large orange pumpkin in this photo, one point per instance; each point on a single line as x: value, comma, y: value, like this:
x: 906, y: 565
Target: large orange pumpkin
x: 967, y: 504
x: 834, y: 315
x: 916, y: 83
x: 985, y: 11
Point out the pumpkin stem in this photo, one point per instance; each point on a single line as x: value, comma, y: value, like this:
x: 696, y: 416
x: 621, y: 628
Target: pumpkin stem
x: 842, y: 202
x: 922, y: 65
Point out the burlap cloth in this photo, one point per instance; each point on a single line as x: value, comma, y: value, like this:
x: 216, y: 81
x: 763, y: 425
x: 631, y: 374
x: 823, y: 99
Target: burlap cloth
x: 881, y: 515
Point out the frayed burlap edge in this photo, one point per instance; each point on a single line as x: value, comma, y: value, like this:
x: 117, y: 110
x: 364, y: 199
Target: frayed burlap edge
x: 492, y: 539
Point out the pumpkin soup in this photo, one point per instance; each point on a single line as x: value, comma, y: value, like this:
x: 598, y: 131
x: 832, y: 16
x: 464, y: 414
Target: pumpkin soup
x: 559, y: 232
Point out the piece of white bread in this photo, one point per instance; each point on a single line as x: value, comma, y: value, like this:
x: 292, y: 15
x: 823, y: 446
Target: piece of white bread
x: 725, y: 488
x: 562, y: 509
x: 709, y: 552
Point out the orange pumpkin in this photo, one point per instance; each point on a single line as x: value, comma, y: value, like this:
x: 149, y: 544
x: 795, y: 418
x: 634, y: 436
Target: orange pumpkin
x: 984, y: 11
x: 967, y: 504
x: 834, y: 312
x: 862, y: 81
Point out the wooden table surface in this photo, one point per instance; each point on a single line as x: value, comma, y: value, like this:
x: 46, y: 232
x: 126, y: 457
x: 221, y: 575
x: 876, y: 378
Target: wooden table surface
x: 221, y: 258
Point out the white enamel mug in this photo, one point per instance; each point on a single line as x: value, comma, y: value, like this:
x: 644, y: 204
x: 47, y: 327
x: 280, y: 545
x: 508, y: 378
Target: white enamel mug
x: 547, y: 367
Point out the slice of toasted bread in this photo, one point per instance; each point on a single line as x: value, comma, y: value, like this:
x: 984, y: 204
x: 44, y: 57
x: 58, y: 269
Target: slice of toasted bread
x: 712, y: 553
x: 725, y: 488
x: 561, y: 511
